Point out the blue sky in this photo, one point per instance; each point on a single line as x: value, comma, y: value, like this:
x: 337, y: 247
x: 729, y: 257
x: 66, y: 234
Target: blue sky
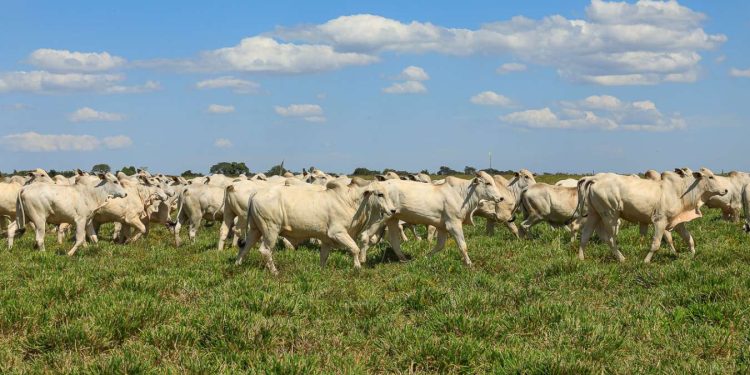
x: 546, y: 85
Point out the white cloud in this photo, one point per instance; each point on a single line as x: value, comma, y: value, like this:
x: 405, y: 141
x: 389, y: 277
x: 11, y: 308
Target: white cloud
x: 744, y: 73
x: 510, y: 68
x: 17, y: 107
x: 35, y: 142
x: 118, y: 141
x: 67, y: 61
x: 39, y: 81
x: 598, y: 112
x: 491, y: 98
x: 42, y: 82
x: 220, y: 109
x: 414, y: 73
x: 87, y: 114
x: 137, y: 89
x: 222, y: 143
x: 408, y: 87
x: 617, y: 43
x: 238, y: 86
x: 262, y: 54
x: 308, y: 112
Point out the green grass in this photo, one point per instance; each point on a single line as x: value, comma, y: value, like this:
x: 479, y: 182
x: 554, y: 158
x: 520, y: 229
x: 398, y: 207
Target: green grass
x: 526, y: 306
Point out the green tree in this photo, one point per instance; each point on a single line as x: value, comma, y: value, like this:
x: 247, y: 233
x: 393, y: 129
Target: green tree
x: 230, y: 168
x: 469, y: 170
x: 276, y: 170
x: 446, y: 171
x: 363, y: 172
x: 190, y: 174
x: 101, y: 168
x: 128, y: 170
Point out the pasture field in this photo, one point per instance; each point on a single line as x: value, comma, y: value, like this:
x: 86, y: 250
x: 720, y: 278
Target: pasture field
x: 526, y: 307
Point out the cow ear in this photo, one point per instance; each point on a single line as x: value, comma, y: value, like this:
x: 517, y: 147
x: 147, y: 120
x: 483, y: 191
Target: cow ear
x: 475, y: 181
x: 697, y: 175
x: 367, y: 193
x: 102, y: 176
x: 517, y: 174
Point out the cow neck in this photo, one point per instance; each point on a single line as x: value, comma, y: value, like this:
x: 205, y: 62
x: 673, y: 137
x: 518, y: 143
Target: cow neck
x: 515, y: 188
x: 689, y: 193
x: 467, y: 191
x: 354, y: 199
x: 95, y: 196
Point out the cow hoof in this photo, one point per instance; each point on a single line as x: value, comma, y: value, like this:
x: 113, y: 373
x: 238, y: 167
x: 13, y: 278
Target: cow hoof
x: 747, y: 228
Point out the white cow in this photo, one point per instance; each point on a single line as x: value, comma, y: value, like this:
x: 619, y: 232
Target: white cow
x: 72, y: 204
x: 730, y: 204
x: 665, y: 204
x: 517, y: 185
x: 335, y: 216
x: 445, y: 207
x: 555, y: 204
x: 568, y: 182
x: 130, y: 211
x: 195, y: 203
x: 8, y: 195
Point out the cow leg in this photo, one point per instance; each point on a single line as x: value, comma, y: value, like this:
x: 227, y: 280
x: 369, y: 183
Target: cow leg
x: 431, y: 233
x: 591, y: 223
x: 325, y: 249
x: 395, y: 239
x: 659, y: 229
x: 12, y: 226
x: 240, y: 230
x: 457, y: 231
x: 527, y: 223
x: 227, y: 225
x: 195, y: 223
x: 489, y: 227
x: 135, y: 222
x: 177, y: 227
x: 610, y: 227
x: 117, y: 235
x: 89, y: 229
x: 442, y: 236
x: 266, y: 245
x: 401, y: 232
x: 39, y: 232
x: 512, y: 228
x: 60, y: 234
x: 345, y: 240
x: 686, y: 236
x: 413, y: 229
x: 81, y: 228
x: 250, y: 240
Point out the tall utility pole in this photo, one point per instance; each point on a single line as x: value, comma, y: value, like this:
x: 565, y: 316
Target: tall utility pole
x: 490, y: 153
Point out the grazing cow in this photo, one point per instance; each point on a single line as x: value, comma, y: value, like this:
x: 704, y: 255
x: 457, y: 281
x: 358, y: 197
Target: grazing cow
x: 445, y: 207
x: 195, y: 203
x: 72, y: 204
x: 665, y: 204
x: 555, y: 204
x: 335, y: 216
x: 730, y: 204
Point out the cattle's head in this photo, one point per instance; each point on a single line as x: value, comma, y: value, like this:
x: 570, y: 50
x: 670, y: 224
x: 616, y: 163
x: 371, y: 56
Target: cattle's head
x: 111, y: 186
x: 524, y: 178
x: 378, y: 194
x: 486, y: 189
x: 652, y: 175
x: 38, y: 175
x: 709, y: 185
x: 683, y: 172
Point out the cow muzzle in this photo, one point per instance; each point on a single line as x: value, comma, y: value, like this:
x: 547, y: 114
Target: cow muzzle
x: 724, y: 192
x: 512, y: 219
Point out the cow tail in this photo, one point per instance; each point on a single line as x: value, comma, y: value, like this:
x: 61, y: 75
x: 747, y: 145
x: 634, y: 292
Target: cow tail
x: 746, y: 206
x: 20, y: 216
x: 180, y: 203
x: 250, y: 223
x: 584, y: 185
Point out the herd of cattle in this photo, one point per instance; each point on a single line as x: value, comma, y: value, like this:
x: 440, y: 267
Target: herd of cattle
x: 354, y: 214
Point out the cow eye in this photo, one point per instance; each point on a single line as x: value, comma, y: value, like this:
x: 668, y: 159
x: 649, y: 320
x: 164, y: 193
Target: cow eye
x: 381, y: 195
x: 487, y: 183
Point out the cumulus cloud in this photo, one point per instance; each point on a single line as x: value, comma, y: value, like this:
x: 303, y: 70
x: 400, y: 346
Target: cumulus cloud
x: 414, y: 73
x: 598, y: 112
x: 408, y: 87
x: 35, y: 142
x: 262, y: 54
x: 238, y: 86
x: 510, y: 68
x: 220, y: 109
x: 617, y: 43
x: 71, y: 61
x: 307, y: 112
x: 491, y: 98
x: 222, y: 143
x: 87, y: 114
x: 39, y: 81
x: 744, y: 73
